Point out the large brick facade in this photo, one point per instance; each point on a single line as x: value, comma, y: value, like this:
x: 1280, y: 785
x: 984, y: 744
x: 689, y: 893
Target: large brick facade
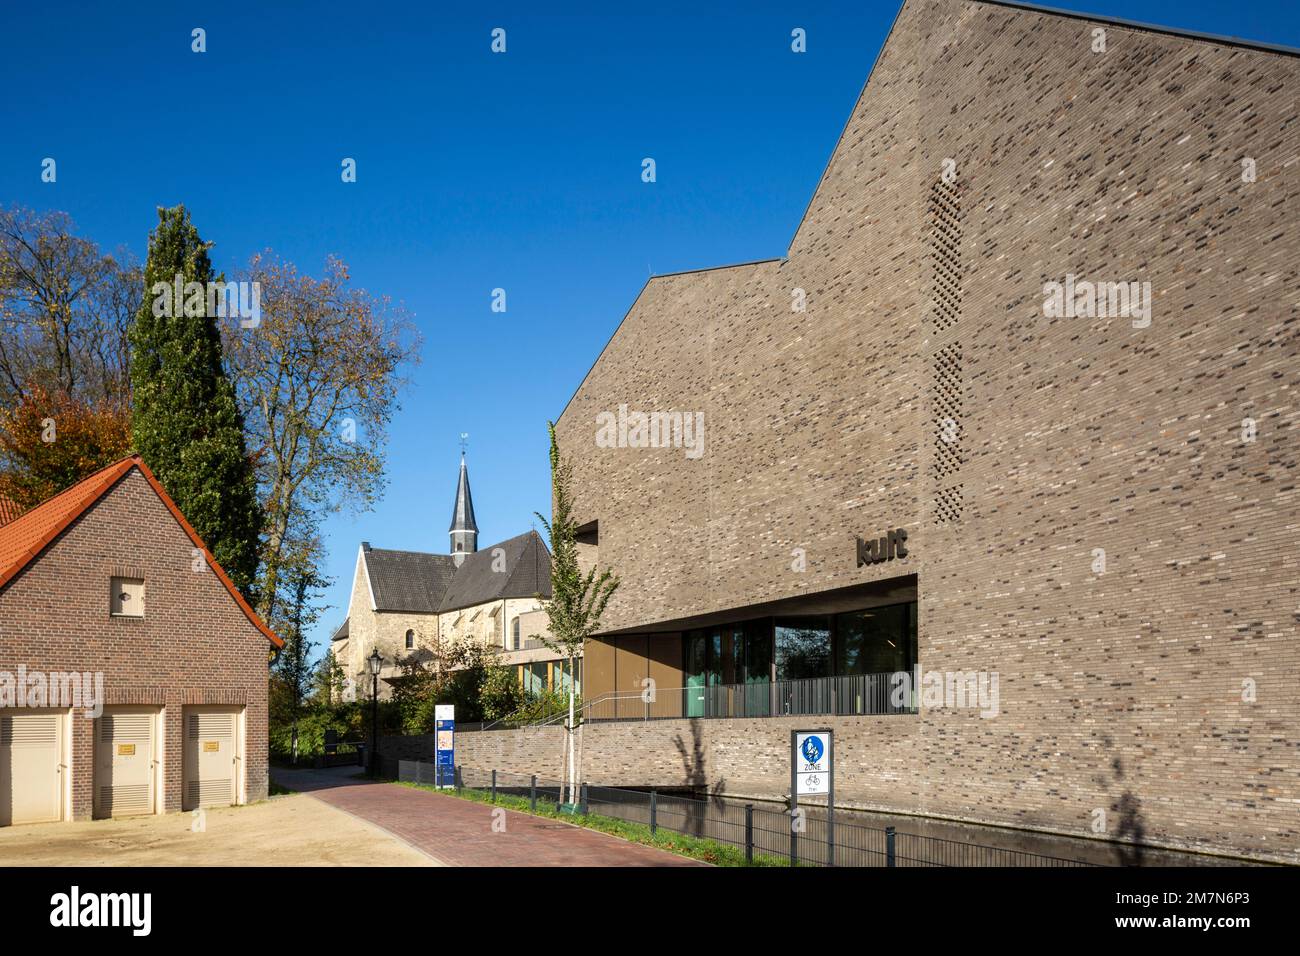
x: 194, y: 645
x: 1158, y: 688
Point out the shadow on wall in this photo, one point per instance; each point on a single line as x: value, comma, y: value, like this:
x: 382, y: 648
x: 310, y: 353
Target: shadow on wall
x: 696, y: 776
x: 1132, y: 830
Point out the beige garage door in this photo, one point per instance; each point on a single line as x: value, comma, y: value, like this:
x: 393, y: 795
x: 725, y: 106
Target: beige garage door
x: 31, y: 766
x: 126, y: 758
x: 212, y: 757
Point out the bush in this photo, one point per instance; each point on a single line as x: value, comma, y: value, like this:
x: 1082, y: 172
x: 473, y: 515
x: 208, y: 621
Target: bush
x: 543, y: 705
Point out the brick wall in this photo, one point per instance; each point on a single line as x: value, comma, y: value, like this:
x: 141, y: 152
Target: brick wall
x: 193, y: 646
x: 1127, y: 692
x: 527, y: 751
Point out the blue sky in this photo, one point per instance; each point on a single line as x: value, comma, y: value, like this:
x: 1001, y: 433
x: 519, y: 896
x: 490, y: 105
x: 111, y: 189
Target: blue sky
x: 475, y: 171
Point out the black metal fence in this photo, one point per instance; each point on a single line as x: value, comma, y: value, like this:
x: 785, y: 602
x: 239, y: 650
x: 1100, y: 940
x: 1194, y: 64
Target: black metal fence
x: 850, y: 695
x: 812, y: 838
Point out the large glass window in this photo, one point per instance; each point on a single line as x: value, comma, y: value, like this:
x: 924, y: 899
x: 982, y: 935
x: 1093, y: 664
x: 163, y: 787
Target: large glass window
x: 696, y: 667
x: 803, y: 647
x: 878, y: 640
x: 560, y: 671
x: 534, y: 678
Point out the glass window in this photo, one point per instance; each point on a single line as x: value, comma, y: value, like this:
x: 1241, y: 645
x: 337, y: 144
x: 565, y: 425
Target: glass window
x: 563, y: 678
x: 877, y: 640
x: 803, y: 648
x: 410, y: 640
x: 758, y: 651
x: 535, y: 678
x: 695, y: 666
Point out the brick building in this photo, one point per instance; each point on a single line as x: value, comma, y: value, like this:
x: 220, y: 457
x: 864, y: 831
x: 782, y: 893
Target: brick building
x: 133, y: 676
x: 1013, y: 417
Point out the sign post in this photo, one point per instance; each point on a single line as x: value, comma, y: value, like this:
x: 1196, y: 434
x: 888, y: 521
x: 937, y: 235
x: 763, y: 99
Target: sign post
x: 812, y: 772
x: 444, y: 769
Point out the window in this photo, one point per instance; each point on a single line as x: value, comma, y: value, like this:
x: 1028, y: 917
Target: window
x: 879, y: 640
x: 517, y: 642
x: 803, y: 648
x: 535, y: 678
x: 127, y: 597
x: 561, y: 678
x: 410, y: 640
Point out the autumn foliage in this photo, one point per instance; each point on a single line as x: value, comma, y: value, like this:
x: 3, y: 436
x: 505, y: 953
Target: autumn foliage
x: 50, y: 440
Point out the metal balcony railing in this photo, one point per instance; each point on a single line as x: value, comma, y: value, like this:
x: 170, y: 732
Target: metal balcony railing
x: 852, y: 695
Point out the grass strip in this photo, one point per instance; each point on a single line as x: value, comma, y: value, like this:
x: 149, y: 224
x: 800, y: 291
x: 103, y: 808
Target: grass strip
x: 692, y: 847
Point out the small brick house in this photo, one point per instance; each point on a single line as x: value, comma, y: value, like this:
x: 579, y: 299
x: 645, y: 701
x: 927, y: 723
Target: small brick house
x: 133, y: 675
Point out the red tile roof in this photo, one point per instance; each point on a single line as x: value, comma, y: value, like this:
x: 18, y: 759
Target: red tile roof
x: 9, y: 510
x: 24, y: 538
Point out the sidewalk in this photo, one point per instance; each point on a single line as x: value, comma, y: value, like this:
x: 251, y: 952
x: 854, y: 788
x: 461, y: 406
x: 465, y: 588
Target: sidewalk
x: 459, y: 832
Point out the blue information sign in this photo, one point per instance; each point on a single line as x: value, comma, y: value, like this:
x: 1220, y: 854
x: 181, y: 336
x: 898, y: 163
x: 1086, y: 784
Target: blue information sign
x: 445, y: 742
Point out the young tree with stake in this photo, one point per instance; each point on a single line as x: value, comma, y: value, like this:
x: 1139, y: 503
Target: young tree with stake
x: 577, y: 600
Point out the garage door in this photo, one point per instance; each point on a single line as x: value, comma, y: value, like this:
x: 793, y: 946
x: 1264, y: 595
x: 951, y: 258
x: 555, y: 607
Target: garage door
x: 31, y: 777
x: 125, y: 762
x: 212, y: 757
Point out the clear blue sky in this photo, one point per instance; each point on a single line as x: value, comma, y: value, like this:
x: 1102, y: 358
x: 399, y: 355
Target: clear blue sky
x: 474, y: 171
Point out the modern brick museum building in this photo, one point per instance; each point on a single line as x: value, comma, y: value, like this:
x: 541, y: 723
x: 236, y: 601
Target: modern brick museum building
x: 1014, y: 416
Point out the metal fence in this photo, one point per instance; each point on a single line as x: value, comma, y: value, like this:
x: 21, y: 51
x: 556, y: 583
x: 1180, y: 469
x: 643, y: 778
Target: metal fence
x: 761, y: 832
x: 850, y: 695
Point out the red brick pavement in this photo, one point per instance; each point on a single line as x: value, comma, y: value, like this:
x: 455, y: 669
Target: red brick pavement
x: 459, y: 832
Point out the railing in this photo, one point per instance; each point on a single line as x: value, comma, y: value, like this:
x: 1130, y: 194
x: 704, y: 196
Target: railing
x: 852, y: 695
x: 764, y: 834
x: 343, y: 753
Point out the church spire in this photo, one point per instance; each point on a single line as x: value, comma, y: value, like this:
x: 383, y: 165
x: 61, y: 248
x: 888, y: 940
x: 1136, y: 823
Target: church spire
x: 464, y: 529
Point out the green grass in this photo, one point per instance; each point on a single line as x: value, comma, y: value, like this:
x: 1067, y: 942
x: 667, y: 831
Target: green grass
x: 276, y: 790
x: 696, y: 848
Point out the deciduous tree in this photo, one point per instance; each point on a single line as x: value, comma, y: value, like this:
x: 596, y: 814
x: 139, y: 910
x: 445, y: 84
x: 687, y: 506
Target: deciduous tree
x: 65, y: 309
x: 317, y: 382
x: 50, y: 441
x: 577, y: 600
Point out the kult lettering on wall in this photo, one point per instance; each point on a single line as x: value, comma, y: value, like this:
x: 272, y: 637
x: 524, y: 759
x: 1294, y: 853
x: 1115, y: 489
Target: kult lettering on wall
x: 885, y: 548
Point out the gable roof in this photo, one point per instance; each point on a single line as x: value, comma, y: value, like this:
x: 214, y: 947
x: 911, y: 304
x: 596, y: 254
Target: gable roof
x: 527, y: 573
x: 407, y: 580
x: 1020, y: 8
x: 24, y: 539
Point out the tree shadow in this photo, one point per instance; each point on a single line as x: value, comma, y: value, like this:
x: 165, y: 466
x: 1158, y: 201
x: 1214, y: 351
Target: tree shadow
x: 695, y: 774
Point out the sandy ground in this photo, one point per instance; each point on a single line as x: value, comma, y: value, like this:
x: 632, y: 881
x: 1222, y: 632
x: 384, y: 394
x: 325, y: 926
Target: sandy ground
x: 289, y: 830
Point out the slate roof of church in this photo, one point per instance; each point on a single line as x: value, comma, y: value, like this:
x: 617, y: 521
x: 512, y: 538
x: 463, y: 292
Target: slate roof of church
x: 421, y: 583
x: 526, y: 571
x: 408, y: 580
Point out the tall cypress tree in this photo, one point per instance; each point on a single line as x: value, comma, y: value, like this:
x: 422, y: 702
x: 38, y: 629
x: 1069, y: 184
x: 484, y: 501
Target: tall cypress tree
x: 185, y: 422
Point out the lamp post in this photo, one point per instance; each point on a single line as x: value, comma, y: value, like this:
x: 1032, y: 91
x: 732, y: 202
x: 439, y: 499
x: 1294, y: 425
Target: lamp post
x: 375, y: 662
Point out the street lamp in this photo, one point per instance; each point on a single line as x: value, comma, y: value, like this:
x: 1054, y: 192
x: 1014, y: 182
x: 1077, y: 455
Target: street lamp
x: 375, y: 662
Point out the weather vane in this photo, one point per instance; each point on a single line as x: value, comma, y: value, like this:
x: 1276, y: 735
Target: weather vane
x: 464, y: 441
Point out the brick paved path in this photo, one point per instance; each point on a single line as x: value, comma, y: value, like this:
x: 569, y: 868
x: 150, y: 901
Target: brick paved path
x: 459, y: 832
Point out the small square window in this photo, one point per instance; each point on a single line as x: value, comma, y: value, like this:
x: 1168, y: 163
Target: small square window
x: 127, y: 597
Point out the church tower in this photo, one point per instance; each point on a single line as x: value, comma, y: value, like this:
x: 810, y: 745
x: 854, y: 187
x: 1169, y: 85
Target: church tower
x: 464, y: 529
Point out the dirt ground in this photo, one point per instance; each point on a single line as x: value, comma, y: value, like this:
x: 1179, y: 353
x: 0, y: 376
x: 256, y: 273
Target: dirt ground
x: 289, y: 830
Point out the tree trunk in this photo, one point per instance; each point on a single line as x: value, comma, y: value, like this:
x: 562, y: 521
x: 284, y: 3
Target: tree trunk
x: 573, y: 768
